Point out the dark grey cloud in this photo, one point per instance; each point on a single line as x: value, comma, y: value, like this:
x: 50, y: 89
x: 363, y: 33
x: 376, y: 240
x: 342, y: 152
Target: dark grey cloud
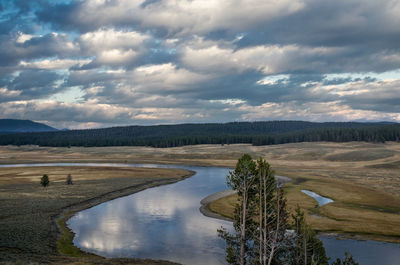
x: 149, y: 2
x: 13, y: 51
x: 340, y: 23
x: 31, y: 84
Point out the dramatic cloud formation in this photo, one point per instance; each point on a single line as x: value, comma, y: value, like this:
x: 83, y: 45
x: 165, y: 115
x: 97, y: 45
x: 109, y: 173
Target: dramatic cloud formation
x: 94, y: 63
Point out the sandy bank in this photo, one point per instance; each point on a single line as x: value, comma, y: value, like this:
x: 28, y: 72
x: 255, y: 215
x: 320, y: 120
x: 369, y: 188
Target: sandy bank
x: 204, y: 209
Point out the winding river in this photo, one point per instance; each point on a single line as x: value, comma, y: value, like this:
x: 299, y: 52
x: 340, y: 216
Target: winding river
x: 165, y: 223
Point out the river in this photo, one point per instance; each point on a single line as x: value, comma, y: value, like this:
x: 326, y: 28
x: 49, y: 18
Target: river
x: 165, y: 223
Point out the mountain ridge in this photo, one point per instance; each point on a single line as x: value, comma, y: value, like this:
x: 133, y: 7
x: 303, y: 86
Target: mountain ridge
x: 21, y: 126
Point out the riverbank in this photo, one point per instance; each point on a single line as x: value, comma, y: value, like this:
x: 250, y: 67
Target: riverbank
x: 32, y: 218
x: 205, y: 205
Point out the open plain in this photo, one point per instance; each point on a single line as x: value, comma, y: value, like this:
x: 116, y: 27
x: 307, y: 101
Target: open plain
x: 363, y: 179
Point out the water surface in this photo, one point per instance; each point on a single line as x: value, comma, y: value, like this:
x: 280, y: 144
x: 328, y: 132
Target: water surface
x: 364, y: 252
x: 162, y: 222
x: 320, y: 199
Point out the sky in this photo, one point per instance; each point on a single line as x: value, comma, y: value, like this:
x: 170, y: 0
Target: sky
x: 100, y: 63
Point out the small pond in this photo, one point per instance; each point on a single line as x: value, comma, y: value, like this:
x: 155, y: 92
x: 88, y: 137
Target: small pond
x: 321, y: 200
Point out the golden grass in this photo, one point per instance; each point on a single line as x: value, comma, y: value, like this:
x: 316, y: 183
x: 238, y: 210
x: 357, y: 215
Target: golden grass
x: 224, y: 206
x: 355, y: 210
x: 381, y: 173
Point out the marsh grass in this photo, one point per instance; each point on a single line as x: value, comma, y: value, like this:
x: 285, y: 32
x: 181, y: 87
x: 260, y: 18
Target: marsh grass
x: 65, y: 243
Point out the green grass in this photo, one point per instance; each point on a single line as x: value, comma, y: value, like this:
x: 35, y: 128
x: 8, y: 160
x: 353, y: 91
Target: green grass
x: 65, y: 243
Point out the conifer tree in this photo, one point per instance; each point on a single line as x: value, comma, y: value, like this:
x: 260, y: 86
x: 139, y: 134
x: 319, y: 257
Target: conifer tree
x: 44, y: 181
x: 242, y: 180
x: 307, y: 249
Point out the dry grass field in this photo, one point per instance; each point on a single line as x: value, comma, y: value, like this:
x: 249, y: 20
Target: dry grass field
x: 375, y: 166
x: 362, y: 178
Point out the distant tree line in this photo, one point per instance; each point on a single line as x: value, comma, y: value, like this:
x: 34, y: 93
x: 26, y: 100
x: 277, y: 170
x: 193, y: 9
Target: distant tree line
x: 255, y: 133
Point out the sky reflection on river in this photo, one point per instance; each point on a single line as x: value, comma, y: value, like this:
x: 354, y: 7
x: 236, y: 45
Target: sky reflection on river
x: 161, y: 223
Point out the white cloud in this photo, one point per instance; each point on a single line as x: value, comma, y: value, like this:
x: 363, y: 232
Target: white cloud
x: 22, y: 37
x: 164, y: 77
x: 273, y: 80
x: 6, y: 93
x: 116, y: 57
x: 113, y: 47
x: 53, y: 64
x: 271, y: 59
x: 316, y: 111
x: 109, y: 39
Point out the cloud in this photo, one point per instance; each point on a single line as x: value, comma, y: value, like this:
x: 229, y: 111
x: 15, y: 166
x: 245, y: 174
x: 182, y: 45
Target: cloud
x: 175, y: 17
x: 28, y: 47
x: 323, y: 111
x: 31, y: 84
x: 53, y: 64
x: 100, y: 62
x: 108, y: 39
x: 271, y: 59
x: 380, y: 95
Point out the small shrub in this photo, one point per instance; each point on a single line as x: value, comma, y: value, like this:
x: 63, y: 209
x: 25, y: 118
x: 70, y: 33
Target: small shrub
x: 69, y: 179
x: 44, y: 181
x: 348, y: 260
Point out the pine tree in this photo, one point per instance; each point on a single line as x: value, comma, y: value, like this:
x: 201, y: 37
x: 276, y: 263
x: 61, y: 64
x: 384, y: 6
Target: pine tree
x: 44, y: 181
x: 242, y: 180
x: 307, y: 249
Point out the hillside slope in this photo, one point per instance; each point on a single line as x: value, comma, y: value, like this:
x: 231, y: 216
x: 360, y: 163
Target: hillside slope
x: 17, y: 126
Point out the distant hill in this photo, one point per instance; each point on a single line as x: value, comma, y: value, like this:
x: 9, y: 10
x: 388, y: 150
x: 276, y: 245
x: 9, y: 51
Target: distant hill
x: 256, y: 133
x: 18, y: 126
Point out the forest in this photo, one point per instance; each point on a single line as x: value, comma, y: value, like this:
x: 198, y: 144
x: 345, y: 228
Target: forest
x: 255, y: 133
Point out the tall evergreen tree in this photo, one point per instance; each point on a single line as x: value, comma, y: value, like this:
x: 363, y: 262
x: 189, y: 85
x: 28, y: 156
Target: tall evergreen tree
x: 242, y: 180
x: 306, y: 248
x: 261, y: 234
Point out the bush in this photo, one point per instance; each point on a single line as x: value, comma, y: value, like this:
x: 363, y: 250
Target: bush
x: 44, y: 181
x: 69, y: 179
x: 348, y: 260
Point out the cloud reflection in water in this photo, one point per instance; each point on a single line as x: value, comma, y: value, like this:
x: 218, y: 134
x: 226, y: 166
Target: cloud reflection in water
x: 159, y: 223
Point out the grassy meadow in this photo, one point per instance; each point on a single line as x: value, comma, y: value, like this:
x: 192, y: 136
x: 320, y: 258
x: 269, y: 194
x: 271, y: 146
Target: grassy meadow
x: 362, y: 178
